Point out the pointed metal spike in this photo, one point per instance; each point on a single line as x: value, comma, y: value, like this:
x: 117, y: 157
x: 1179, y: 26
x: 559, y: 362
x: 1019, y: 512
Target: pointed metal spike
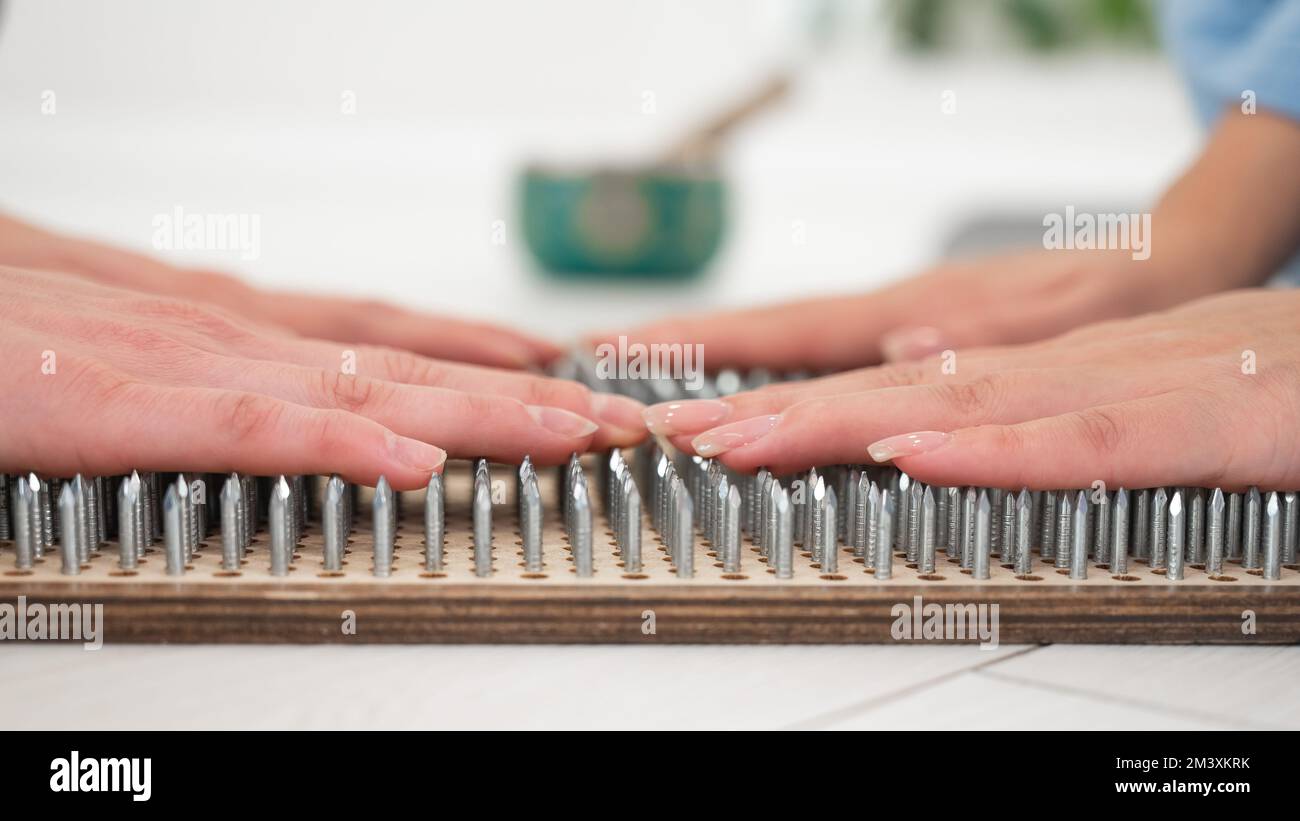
x: 1159, y: 538
x: 1024, y: 533
x: 830, y: 548
x: 173, y: 532
x: 583, y: 563
x: 232, y: 548
x: 1047, y: 533
x: 279, y: 527
x: 435, y: 523
x: 983, y: 524
x: 1079, y: 536
x: 1273, y: 538
x: 482, y: 517
x: 730, y: 548
x: 684, y: 534
x: 1290, y: 527
x: 1119, y: 531
x: 1176, y: 529
x: 884, y: 563
x: 1250, y: 559
x: 1232, y: 527
x: 1214, y: 548
x: 69, y: 547
x: 969, y: 505
x: 783, y: 533
x: 334, y: 528
x: 128, y: 522
x: 1101, y: 529
x: 385, y: 537
x: 22, y: 506
x: 1064, y: 529
x: 531, y: 527
x: 928, y: 523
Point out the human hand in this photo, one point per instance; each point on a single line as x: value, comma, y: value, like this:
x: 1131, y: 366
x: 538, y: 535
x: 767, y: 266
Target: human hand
x: 103, y: 380
x: 1001, y: 299
x: 368, y: 322
x: 1204, y: 395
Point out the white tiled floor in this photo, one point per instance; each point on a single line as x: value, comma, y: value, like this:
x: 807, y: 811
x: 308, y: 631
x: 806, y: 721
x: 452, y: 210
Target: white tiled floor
x: 912, y: 687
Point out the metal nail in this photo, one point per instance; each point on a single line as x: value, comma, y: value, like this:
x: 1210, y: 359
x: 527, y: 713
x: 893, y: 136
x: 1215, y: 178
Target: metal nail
x: 531, y: 526
x: 783, y: 535
x: 1290, y: 527
x: 1176, y: 534
x: 1273, y: 538
x: 232, y: 548
x: 953, y: 542
x: 23, y: 498
x: 1063, y: 530
x: 1141, y: 541
x: 279, y: 512
x: 1079, y: 537
x: 969, y: 506
x: 128, y: 522
x: 1008, y: 527
x: 334, y: 524
x: 683, y: 533
x: 1047, y: 534
x: 385, y: 536
x: 1250, y: 532
x: 929, y: 523
x: 1233, y: 526
x: 482, y: 516
x: 173, y: 534
x: 1024, y: 528
x: 1215, y: 541
x: 1119, y: 530
x: 581, y: 538
x: 830, y: 549
x: 1159, y: 528
x: 435, y: 524
x: 816, y: 513
x: 915, y: 494
x: 902, y: 514
x: 983, y: 524
x: 69, y: 549
x: 1101, y: 530
x: 884, y: 563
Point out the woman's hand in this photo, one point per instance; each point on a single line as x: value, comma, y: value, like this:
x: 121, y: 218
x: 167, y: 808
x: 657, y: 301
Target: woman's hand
x: 1002, y: 299
x: 103, y: 380
x: 1205, y: 395
x: 367, y: 322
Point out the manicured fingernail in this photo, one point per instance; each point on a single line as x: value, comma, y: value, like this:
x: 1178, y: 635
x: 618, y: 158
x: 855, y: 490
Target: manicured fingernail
x: 736, y: 435
x: 907, y: 344
x: 562, y: 422
x: 908, y: 444
x: 618, y: 411
x: 692, y: 416
x: 415, y: 454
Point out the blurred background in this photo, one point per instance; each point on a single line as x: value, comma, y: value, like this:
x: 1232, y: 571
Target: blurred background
x: 380, y: 143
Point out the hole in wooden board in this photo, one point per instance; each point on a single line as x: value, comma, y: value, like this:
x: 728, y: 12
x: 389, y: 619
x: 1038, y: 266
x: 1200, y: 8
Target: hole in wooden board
x: 1030, y: 578
x: 226, y: 574
x: 734, y: 577
x: 932, y: 577
x: 330, y: 574
x: 123, y: 572
x: 1127, y: 578
x: 433, y: 574
x: 833, y: 577
x: 637, y: 576
x: 1217, y: 577
x: 532, y: 575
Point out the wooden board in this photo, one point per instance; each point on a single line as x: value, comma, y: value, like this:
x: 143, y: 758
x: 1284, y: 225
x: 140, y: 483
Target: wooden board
x: 512, y: 606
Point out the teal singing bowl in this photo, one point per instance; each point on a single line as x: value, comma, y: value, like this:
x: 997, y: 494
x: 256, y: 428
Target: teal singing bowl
x: 654, y: 223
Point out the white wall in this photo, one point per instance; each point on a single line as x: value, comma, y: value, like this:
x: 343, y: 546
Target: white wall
x: 234, y: 106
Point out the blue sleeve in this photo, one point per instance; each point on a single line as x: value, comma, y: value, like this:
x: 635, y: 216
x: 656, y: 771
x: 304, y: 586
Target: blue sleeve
x: 1227, y: 47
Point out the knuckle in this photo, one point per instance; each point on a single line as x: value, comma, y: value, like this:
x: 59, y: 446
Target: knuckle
x: 248, y: 415
x: 345, y: 391
x: 977, y: 398
x: 1104, y: 430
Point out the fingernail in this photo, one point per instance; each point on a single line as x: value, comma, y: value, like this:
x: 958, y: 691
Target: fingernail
x: 908, y: 444
x: 907, y: 344
x: 562, y: 422
x: 415, y: 454
x: 618, y: 411
x: 693, y: 416
x: 736, y: 435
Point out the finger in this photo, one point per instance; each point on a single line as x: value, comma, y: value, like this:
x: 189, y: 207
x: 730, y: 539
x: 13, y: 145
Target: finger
x: 379, y: 323
x: 839, y: 429
x: 465, y: 424
x: 147, y: 427
x: 837, y: 332
x: 619, y: 417
x: 1145, y: 442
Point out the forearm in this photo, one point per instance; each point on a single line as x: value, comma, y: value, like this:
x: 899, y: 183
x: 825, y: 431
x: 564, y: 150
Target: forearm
x: 1230, y: 220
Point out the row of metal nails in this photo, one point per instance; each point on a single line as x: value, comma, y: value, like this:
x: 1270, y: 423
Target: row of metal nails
x: 874, y: 511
